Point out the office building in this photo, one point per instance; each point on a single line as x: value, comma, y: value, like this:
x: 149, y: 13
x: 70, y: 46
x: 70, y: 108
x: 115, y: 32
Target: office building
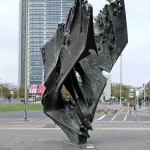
x: 39, y: 20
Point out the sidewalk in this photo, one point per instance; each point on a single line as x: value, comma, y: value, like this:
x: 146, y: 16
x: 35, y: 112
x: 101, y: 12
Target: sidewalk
x: 55, y: 139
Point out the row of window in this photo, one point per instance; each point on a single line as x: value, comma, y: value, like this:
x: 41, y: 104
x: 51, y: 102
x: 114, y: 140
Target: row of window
x: 35, y: 77
x: 64, y: 2
x: 49, y: 26
x: 36, y: 21
x: 57, y: 8
x: 36, y: 13
x: 37, y: 47
x: 33, y: 50
x: 36, y: 72
x: 43, y: 13
x: 36, y: 2
x: 54, y: 23
x: 43, y: 20
x: 44, y: 36
x: 37, y: 8
x: 47, y: 2
x: 36, y: 44
x: 44, y: 41
x: 36, y: 68
x: 50, y: 13
x: 36, y: 63
x: 36, y: 59
x: 36, y: 40
x: 50, y: 35
x: 35, y: 82
x: 36, y: 31
x: 35, y: 35
x: 51, y: 29
x: 36, y: 17
x: 34, y: 53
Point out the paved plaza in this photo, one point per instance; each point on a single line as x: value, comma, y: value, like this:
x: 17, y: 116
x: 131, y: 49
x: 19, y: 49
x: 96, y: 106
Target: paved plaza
x: 40, y: 133
x: 55, y: 139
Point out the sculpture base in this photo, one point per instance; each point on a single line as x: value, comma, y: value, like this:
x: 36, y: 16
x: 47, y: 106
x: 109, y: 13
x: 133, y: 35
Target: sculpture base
x: 81, y: 146
x: 87, y: 146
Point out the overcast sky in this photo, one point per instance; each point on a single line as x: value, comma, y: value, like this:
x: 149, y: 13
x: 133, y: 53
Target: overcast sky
x: 136, y: 56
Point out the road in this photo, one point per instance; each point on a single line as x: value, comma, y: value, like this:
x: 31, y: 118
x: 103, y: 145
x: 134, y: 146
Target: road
x: 125, y: 114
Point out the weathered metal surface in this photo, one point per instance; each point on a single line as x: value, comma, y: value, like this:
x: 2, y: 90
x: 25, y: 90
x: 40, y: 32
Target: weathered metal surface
x: 78, y: 49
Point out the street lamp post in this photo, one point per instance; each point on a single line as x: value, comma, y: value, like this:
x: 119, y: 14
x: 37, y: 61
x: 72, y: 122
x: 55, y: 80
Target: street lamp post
x: 120, y: 79
x: 145, y: 95
x: 26, y: 66
x: 144, y: 92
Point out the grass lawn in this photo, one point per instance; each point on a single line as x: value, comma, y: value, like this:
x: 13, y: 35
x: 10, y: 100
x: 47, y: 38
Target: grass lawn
x: 4, y: 107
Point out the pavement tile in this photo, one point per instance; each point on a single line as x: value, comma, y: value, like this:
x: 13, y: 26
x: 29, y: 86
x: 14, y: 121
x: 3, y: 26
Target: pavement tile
x: 134, y: 145
x: 5, y: 148
x: 5, y: 138
x: 2, y: 143
x: 49, y: 140
x: 17, y: 147
x: 21, y: 139
x: 110, y: 147
x: 51, y: 146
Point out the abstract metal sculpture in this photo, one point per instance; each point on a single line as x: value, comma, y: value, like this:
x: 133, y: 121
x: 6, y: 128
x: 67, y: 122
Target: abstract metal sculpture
x: 82, y: 48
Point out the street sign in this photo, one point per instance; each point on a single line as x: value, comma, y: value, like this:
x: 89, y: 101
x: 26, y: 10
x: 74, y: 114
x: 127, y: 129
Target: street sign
x: 137, y: 93
x: 11, y: 92
x: 131, y: 93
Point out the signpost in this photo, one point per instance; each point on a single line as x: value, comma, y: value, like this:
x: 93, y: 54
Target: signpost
x: 131, y: 96
x: 26, y: 67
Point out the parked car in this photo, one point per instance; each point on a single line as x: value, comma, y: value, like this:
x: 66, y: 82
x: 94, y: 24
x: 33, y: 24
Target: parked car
x: 37, y: 102
x: 31, y: 100
x: 2, y: 99
x: 22, y: 99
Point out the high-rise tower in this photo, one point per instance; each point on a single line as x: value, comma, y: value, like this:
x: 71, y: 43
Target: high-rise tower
x: 37, y: 25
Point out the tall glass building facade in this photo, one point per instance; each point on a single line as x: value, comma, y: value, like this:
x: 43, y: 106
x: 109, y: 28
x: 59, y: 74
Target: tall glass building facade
x: 42, y: 18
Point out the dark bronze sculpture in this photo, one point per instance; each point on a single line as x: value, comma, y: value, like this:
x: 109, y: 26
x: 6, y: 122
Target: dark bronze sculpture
x: 81, y: 48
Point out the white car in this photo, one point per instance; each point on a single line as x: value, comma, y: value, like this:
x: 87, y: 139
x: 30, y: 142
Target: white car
x: 38, y: 102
